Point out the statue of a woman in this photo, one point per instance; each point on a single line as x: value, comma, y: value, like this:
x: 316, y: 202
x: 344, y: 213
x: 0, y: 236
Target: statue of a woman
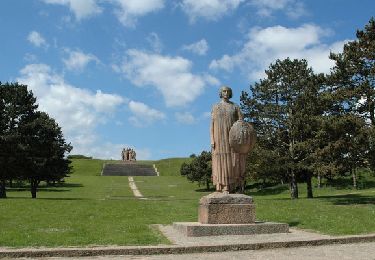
x: 227, y: 169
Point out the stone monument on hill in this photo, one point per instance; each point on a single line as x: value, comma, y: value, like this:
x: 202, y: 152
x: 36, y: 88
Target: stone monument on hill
x: 224, y: 212
x: 128, y: 155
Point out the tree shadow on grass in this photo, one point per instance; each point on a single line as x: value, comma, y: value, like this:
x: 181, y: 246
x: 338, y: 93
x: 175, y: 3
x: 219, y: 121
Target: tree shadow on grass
x: 39, y: 190
x: 349, y: 199
x: 342, y: 184
x: 63, y: 198
x: 205, y: 190
x: 268, y: 191
x: 38, y: 198
x: 293, y: 223
x: 50, y: 188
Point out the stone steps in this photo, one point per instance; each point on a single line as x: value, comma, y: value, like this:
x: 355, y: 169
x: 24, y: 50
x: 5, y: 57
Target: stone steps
x: 128, y: 169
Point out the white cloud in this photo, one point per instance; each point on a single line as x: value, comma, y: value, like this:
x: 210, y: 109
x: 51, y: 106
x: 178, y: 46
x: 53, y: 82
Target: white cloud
x: 292, y: 8
x: 37, y: 39
x: 155, y: 42
x: 78, y: 111
x: 130, y: 10
x: 200, y: 47
x: 264, y: 46
x: 78, y: 60
x: 185, y: 118
x: 170, y: 75
x: 208, y: 9
x: 143, y: 115
x: 81, y: 8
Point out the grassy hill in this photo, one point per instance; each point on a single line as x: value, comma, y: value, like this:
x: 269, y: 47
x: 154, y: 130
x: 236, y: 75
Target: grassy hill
x: 89, y: 209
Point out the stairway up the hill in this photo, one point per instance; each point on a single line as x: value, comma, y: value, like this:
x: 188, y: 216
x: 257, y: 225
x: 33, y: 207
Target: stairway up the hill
x: 127, y: 169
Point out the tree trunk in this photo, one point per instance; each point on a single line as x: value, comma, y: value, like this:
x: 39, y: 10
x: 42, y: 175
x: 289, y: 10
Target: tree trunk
x: 319, y: 181
x: 309, y: 186
x: 34, y: 187
x: 207, y: 184
x: 371, y: 106
x: 3, y: 193
x: 293, y: 187
x: 354, y: 176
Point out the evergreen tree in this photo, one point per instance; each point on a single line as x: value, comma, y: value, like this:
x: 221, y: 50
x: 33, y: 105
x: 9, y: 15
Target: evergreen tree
x: 284, y: 108
x: 352, y: 90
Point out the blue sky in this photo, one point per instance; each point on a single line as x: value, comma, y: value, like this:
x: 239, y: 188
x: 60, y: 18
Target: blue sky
x: 145, y: 73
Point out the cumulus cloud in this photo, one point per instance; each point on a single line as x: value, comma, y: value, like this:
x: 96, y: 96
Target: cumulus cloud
x: 78, y: 60
x: 264, y: 46
x: 37, y: 39
x: 185, y: 118
x: 292, y: 8
x: 143, y: 115
x: 200, y: 47
x: 129, y: 10
x: 81, y: 8
x: 78, y: 111
x: 171, y: 76
x: 208, y: 9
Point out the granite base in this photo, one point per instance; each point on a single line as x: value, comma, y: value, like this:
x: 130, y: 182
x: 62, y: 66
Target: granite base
x: 196, y: 229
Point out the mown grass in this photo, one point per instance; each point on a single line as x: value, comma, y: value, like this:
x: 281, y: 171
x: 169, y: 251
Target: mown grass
x: 90, y: 209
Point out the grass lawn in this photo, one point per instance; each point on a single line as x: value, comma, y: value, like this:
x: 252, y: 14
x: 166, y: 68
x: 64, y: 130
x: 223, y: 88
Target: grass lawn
x: 90, y: 209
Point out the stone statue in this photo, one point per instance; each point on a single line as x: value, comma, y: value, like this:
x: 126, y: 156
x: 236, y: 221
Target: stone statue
x: 229, y: 156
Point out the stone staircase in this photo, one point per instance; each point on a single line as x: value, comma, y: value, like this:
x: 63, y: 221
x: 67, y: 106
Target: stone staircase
x: 128, y: 169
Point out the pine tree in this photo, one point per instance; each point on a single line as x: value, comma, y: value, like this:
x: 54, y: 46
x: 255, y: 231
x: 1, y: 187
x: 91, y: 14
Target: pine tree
x: 284, y: 108
x: 352, y: 87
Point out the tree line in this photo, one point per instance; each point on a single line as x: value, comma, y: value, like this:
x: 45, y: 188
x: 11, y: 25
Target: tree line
x: 32, y: 146
x: 310, y: 124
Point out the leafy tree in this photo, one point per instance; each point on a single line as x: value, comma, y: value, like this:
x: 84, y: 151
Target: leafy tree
x: 284, y: 108
x: 199, y: 169
x: 17, y: 105
x: 352, y: 88
x: 44, y: 150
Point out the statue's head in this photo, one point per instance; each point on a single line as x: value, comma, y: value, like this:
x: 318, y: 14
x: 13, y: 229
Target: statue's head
x: 226, y: 89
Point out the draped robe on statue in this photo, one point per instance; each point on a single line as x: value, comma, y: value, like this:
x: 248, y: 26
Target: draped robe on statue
x: 227, y: 166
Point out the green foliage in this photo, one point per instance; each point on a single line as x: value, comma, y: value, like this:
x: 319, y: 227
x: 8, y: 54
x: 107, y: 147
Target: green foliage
x: 32, y: 145
x: 44, y: 151
x: 17, y: 106
x: 199, y: 169
x: 314, y: 124
x: 284, y: 108
x: 353, y: 88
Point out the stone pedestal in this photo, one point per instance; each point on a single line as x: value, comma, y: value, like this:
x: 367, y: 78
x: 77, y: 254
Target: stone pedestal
x: 219, y: 208
x: 227, y: 214
x: 195, y: 229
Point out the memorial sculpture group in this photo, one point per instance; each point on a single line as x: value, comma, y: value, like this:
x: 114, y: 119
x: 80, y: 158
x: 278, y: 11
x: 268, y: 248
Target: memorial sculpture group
x: 226, y: 212
x: 128, y: 155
